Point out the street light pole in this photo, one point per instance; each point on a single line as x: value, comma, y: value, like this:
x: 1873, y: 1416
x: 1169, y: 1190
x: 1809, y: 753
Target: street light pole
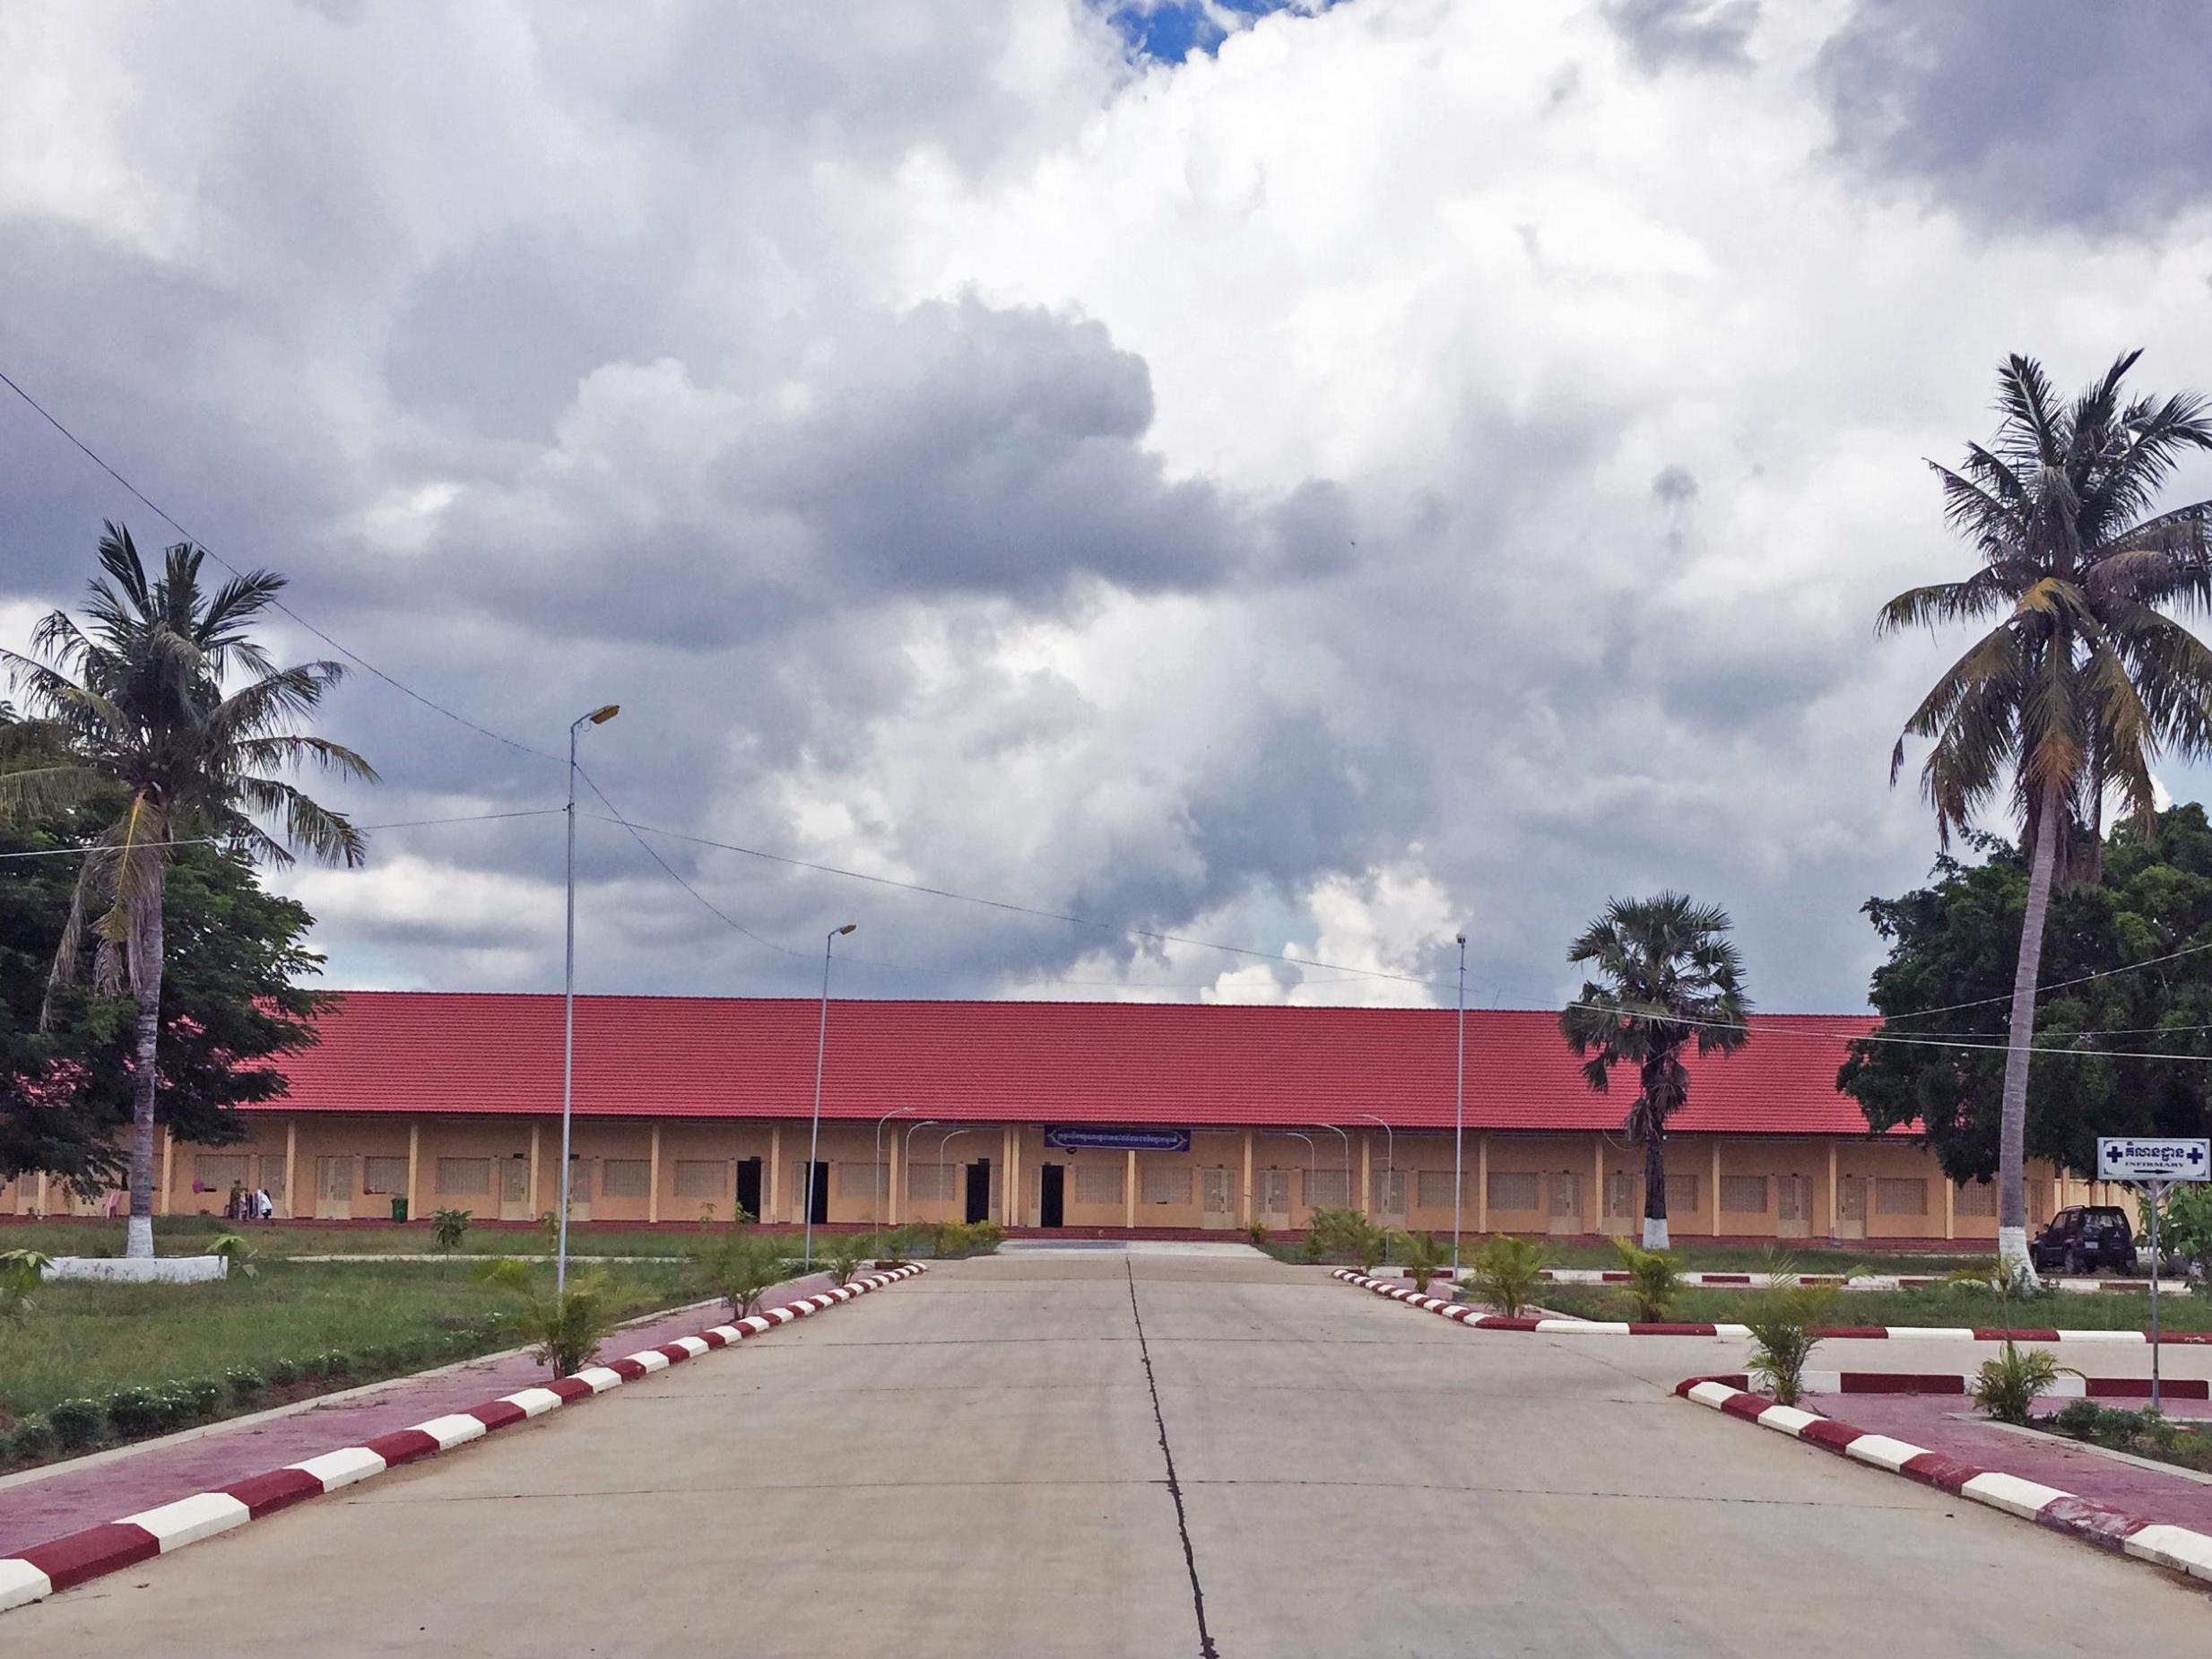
x: 1390, y: 1151
x: 883, y: 1174
x: 1313, y: 1167
x: 1459, y: 1113
x: 821, y: 1044
x: 598, y: 717
x: 1340, y: 1135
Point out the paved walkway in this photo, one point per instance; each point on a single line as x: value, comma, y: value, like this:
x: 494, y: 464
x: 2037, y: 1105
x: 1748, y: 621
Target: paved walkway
x: 45, y: 1503
x: 1067, y: 1456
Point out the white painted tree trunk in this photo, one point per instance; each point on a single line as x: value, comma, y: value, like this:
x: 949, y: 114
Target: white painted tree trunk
x: 2012, y: 1118
x: 1655, y: 1232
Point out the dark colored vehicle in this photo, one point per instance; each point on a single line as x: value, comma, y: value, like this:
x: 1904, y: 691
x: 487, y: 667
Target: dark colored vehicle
x: 2084, y: 1237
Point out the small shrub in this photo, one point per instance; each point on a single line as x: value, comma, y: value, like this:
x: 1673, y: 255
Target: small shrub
x: 246, y: 1385
x: 1508, y: 1273
x: 20, y: 1273
x: 1309, y: 1247
x: 2082, y: 1419
x: 77, y: 1423
x: 283, y: 1373
x: 449, y: 1227
x: 2007, y: 1386
x: 1347, y: 1233
x: 563, y: 1328
x: 1258, y: 1235
x: 197, y: 1396
x: 236, y: 1249
x: 952, y: 1238
x: 706, y: 1218
x: 1427, y: 1255
x: 1654, y: 1280
x: 334, y: 1365
x: 844, y: 1255
x: 133, y: 1413
x: 31, y: 1440
x: 741, y: 1272
x: 898, y: 1245
x: 987, y: 1236
x: 1783, y: 1341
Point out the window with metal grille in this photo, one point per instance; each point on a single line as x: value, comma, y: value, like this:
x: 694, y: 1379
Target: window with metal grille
x: 379, y: 1174
x: 1897, y: 1196
x: 463, y: 1177
x: 926, y: 1181
x: 626, y: 1178
x: 1389, y: 1191
x: 1097, y: 1184
x: 1977, y: 1198
x: 864, y: 1180
x: 1328, y: 1189
x: 701, y: 1178
x: 272, y: 1175
x: 1793, y: 1198
x: 1164, y: 1184
x: 1621, y: 1191
x: 1432, y: 1189
x: 1273, y: 1196
x: 1682, y: 1194
x: 214, y: 1171
x: 1510, y: 1189
x: 1743, y: 1194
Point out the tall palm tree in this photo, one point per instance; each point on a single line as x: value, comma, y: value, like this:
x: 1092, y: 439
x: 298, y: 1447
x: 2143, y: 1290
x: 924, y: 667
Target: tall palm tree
x: 2083, y: 681
x: 137, y: 703
x: 1666, y: 978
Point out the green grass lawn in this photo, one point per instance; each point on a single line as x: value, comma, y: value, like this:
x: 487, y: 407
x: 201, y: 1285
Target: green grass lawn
x: 1957, y: 1305
x: 188, y: 1234
x: 87, y: 1340
x: 1811, y: 1256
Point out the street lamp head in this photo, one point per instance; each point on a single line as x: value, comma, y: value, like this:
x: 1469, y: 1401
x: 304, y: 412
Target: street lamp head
x: 1462, y: 939
x: 847, y: 928
x: 598, y: 717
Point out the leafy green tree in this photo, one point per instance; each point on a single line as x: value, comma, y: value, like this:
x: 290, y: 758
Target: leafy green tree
x: 2084, y: 679
x: 164, y: 694
x: 1947, y: 978
x: 231, y: 999
x: 1667, y: 979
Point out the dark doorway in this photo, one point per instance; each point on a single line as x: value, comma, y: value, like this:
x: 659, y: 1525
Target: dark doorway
x: 819, y: 1190
x: 979, y: 1191
x: 748, y: 1186
x: 1052, y: 1184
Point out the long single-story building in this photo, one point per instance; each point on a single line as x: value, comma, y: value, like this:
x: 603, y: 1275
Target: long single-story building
x: 1047, y: 1115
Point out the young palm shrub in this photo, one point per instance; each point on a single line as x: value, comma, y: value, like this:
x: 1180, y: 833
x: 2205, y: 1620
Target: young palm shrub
x: 1508, y: 1273
x: 448, y: 1227
x: 2007, y: 1386
x: 742, y: 1271
x: 1654, y: 1280
x: 844, y: 1255
x: 1425, y: 1256
x: 898, y: 1246
x: 565, y: 1328
x: 20, y: 1273
x: 236, y: 1250
x: 1781, y: 1328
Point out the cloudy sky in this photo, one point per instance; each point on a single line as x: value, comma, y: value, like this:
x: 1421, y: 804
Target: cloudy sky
x: 1309, y: 478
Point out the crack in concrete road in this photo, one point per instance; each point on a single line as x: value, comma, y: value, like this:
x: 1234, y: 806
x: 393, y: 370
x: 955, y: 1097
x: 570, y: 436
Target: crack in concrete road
x: 1175, y: 1491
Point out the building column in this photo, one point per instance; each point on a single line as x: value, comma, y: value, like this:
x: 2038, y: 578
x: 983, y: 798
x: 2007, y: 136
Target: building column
x: 891, y: 1181
x: 1833, y: 1222
x: 1482, y: 1181
x: 532, y: 1205
x: 1950, y: 1203
x: 1129, y: 1191
x: 1245, y: 1213
x: 771, y: 1195
x: 168, y: 1160
x: 1597, y: 1190
x: 42, y: 1194
x: 1716, y: 1186
x: 414, y: 1146
x: 1365, y: 1199
x: 1010, y: 1183
x: 653, y: 1174
x: 292, y: 1168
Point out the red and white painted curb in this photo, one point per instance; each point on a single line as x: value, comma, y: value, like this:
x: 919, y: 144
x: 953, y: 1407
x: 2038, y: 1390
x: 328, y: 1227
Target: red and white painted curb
x: 1858, y: 1282
x: 59, y: 1563
x: 1555, y: 1326
x: 2175, y: 1547
x: 1959, y: 1383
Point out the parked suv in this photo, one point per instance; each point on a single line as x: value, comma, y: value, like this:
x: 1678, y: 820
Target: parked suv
x: 2085, y: 1238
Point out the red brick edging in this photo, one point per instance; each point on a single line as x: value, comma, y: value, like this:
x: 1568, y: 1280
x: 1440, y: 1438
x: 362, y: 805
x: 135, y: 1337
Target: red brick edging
x: 33, y: 1574
x: 1467, y: 1316
x: 2177, y: 1547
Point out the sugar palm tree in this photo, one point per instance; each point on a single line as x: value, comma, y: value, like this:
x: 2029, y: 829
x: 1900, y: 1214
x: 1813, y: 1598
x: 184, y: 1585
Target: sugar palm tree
x: 136, y: 704
x: 2084, y: 680
x: 1666, y: 979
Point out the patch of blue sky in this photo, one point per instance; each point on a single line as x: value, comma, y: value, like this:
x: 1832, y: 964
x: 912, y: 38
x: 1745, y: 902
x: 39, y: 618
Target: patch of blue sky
x: 1170, y: 31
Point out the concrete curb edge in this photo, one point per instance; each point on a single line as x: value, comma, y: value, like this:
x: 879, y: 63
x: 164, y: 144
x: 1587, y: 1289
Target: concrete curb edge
x: 60, y: 1563
x: 1467, y: 1316
x: 2179, y: 1548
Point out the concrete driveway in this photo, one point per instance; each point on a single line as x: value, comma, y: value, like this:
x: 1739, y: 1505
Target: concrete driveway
x: 977, y: 1462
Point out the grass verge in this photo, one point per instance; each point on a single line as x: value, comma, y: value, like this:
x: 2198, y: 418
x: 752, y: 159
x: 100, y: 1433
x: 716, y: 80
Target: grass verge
x: 1954, y: 1304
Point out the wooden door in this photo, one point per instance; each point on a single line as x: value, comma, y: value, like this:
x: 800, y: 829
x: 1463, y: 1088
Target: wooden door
x: 1564, y: 1210
x: 1851, y: 1207
x: 515, y: 1189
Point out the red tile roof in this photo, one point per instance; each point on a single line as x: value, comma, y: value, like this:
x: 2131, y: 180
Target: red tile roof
x: 1117, y: 1062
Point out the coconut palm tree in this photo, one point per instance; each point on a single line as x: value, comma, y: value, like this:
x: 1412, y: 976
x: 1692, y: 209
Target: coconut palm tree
x: 2084, y: 681
x: 1667, y: 979
x: 136, y: 704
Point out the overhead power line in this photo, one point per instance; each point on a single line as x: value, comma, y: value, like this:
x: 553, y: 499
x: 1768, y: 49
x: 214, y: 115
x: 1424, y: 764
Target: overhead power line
x: 346, y: 651
x: 2058, y: 985
x: 224, y: 841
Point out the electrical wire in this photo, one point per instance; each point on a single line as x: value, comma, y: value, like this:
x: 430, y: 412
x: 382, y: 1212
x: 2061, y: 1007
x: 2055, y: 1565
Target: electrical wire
x: 224, y: 841
x: 346, y: 651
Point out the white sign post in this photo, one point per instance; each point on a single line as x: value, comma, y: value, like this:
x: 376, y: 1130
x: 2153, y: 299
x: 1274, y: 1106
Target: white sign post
x: 2152, y: 1167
